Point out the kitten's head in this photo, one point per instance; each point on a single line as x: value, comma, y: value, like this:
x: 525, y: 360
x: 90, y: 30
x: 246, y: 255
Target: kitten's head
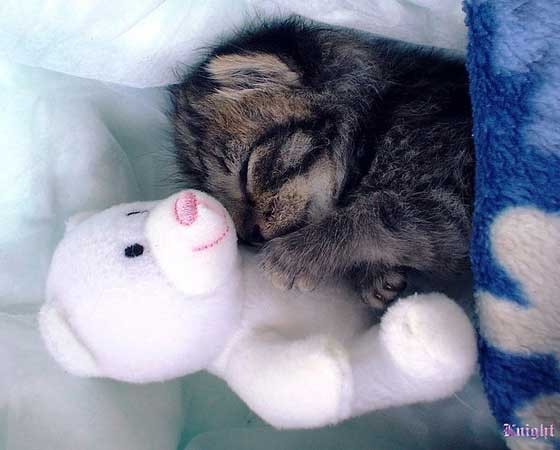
x: 250, y: 133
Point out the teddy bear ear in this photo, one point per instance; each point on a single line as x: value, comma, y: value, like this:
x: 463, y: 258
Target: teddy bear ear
x: 73, y: 221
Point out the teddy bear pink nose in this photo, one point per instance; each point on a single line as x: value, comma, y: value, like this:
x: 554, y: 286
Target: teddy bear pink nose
x: 186, y: 208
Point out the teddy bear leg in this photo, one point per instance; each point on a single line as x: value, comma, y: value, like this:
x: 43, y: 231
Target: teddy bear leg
x: 303, y: 383
x: 424, y: 350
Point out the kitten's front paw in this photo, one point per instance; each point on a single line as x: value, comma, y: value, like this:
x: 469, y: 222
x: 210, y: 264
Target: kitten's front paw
x: 285, y: 264
x: 383, y: 288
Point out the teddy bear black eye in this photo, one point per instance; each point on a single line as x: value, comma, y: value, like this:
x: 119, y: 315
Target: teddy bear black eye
x: 132, y: 251
x: 136, y: 212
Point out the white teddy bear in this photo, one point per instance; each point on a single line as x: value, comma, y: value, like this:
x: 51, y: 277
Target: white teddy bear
x: 150, y: 291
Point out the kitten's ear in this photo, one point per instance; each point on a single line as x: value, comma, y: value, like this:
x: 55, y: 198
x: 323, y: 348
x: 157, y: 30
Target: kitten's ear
x: 250, y: 71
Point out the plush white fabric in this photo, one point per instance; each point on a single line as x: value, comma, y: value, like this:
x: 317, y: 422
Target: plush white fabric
x: 142, y: 42
x: 188, y: 301
x: 68, y: 145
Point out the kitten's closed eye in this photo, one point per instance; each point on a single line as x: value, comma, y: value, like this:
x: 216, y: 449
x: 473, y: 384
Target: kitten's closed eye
x: 288, y: 179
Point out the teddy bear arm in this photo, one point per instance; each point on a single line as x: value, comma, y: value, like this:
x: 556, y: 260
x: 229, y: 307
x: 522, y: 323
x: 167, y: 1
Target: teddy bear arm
x: 290, y: 383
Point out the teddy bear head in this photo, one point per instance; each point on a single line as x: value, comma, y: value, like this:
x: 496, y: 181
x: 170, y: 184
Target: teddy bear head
x: 143, y: 291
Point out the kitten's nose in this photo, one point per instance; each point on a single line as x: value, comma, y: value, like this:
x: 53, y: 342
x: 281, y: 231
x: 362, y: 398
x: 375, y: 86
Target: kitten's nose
x: 256, y: 237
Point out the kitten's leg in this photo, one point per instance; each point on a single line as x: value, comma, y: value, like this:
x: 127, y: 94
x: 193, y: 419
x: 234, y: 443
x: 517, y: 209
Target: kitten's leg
x: 383, y: 229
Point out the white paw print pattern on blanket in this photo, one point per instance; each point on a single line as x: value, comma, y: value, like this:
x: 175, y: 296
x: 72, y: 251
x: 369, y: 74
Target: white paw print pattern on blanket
x: 526, y: 243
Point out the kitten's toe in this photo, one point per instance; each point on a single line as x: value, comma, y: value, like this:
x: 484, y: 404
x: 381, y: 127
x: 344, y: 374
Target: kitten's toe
x: 275, y: 265
x: 305, y: 283
x: 393, y: 281
x: 383, y: 290
x: 279, y: 280
x: 284, y: 280
x: 372, y: 299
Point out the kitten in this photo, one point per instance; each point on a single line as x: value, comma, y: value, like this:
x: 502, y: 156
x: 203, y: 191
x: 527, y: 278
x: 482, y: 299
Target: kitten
x: 346, y: 155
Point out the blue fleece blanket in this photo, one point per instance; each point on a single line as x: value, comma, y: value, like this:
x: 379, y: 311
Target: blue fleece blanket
x: 514, y: 65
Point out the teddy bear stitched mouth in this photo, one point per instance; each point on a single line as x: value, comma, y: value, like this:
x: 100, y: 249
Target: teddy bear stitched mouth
x: 216, y: 241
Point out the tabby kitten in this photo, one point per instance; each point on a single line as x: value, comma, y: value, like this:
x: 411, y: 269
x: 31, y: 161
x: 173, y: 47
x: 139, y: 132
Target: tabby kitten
x: 346, y: 155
